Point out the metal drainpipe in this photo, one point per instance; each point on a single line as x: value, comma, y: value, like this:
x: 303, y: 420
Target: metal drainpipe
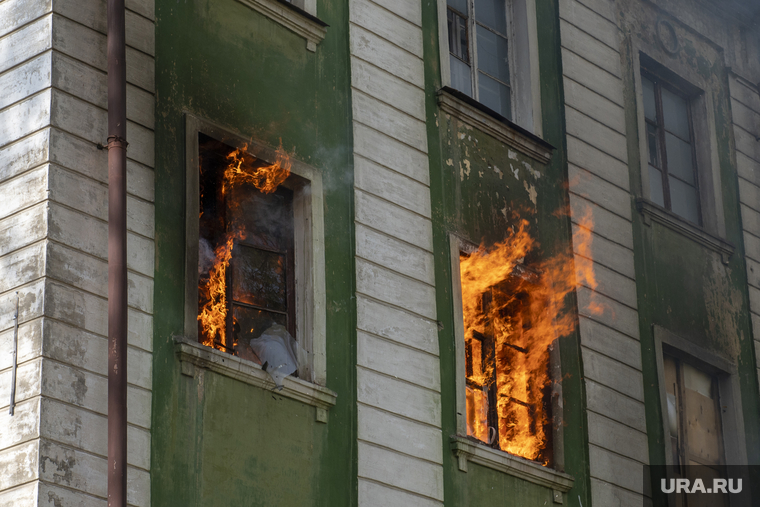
x: 117, y: 256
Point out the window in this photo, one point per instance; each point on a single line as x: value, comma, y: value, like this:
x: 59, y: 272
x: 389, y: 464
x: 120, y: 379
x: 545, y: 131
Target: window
x: 673, y: 178
x: 479, y: 52
x: 254, y: 259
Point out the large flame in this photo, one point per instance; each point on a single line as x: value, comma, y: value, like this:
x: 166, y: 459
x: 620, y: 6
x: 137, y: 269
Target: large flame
x: 212, y: 291
x: 243, y: 170
x: 521, y: 312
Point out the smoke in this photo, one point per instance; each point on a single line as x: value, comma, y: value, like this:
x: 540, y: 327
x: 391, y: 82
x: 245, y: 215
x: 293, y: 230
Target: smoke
x: 206, y: 256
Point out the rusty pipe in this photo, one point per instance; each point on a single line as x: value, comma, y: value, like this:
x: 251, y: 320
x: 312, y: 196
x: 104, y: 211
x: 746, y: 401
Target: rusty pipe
x: 117, y: 256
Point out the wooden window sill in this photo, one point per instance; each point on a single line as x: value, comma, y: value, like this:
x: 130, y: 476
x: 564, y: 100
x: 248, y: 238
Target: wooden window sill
x: 467, y: 450
x: 651, y: 211
x: 484, y: 119
x: 293, y: 18
x: 194, y: 357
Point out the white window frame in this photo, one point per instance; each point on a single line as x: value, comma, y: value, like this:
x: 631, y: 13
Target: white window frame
x: 466, y: 449
x: 729, y: 390
x: 309, y: 269
x: 522, y: 38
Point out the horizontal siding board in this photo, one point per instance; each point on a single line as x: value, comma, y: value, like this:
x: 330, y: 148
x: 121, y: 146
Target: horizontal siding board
x: 591, y: 76
x: 24, y: 154
x: 393, y: 254
x: 609, y: 254
x: 24, y: 191
x: 609, y: 342
x: 398, y: 325
x: 392, y: 186
x: 393, y: 154
x: 750, y: 220
x: 27, y: 388
x: 410, y: 11
x: 596, y: 134
x: 616, y: 469
x: 744, y: 94
x: 749, y: 194
x: 587, y: 157
x: 399, y: 434
x: 25, y: 43
x: 615, y: 406
x: 385, y: 285
x: 17, y: 13
x: 388, y: 88
x: 614, y: 315
x: 22, y: 266
x: 618, y: 438
x: 29, y: 343
x: 581, y: 43
x: 402, y: 398
x: 372, y: 494
x: 593, y: 188
x: 387, y: 25
x: 401, y: 471
x: 594, y: 105
x: 393, y: 220
x: 69, y: 497
x: 376, y: 50
x: 30, y: 304
x: 745, y: 117
x: 25, y: 80
x: 401, y: 362
x: 606, y: 224
x: 33, y: 221
x: 613, y: 374
x: 748, y: 168
x: 590, y: 21
x: 609, y: 495
x: 747, y: 143
x: 384, y: 118
x: 612, y: 284
x: 88, y: 352
x: 20, y: 464
x: 23, y: 426
x: 25, y: 117
x: 25, y: 495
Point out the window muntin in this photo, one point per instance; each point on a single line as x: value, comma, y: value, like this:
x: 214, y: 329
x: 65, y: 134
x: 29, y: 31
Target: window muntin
x: 478, y: 39
x: 256, y: 232
x: 673, y: 181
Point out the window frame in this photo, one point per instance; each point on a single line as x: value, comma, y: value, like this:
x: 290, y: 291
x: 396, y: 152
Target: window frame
x: 523, y: 54
x: 466, y: 448
x: 729, y: 392
x: 712, y: 230
x: 659, y: 124
x: 308, y: 248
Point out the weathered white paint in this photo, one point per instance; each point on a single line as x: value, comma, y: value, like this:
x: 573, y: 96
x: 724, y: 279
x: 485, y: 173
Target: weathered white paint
x: 53, y: 240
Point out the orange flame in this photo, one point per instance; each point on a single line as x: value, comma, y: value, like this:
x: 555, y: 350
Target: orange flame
x: 212, y: 293
x: 518, y: 315
x: 265, y: 178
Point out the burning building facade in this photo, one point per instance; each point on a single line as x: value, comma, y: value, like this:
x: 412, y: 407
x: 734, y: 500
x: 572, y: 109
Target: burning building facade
x: 457, y: 252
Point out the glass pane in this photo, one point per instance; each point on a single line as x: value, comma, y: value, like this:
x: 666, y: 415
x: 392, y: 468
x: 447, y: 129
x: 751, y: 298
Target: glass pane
x: 655, y: 186
x: 492, y: 13
x: 650, y: 109
x: 674, y: 109
x: 477, y: 414
x: 258, y: 278
x: 460, y: 5
x: 494, y: 95
x: 266, y: 219
x: 493, y: 56
x: 460, y: 76
x: 679, y: 158
x: 458, y: 36
x: 652, y: 145
x: 248, y: 324
x: 683, y: 200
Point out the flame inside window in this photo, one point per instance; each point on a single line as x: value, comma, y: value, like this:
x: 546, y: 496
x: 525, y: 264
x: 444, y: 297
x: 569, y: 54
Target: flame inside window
x: 512, y: 315
x: 246, y: 248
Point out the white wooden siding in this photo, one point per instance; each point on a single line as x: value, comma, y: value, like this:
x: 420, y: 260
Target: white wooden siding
x: 398, y: 377
x: 599, y: 184
x: 53, y: 250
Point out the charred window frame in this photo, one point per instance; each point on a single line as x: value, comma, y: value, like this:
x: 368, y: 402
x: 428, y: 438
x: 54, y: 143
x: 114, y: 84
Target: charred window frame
x: 486, y: 452
x: 302, y: 251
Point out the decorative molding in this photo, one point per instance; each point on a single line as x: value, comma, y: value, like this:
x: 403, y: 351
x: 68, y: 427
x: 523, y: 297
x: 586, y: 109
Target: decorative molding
x: 468, y: 451
x: 291, y: 17
x: 651, y: 211
x: 480, y: 117
x: 194, y: 356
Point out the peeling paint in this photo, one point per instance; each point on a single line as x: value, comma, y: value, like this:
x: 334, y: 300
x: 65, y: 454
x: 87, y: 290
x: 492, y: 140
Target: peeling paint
x: 498, y: 171
x: 532, y: 194
x: 450, y: 162
x: 512, y: 154
x: 515, y: 172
